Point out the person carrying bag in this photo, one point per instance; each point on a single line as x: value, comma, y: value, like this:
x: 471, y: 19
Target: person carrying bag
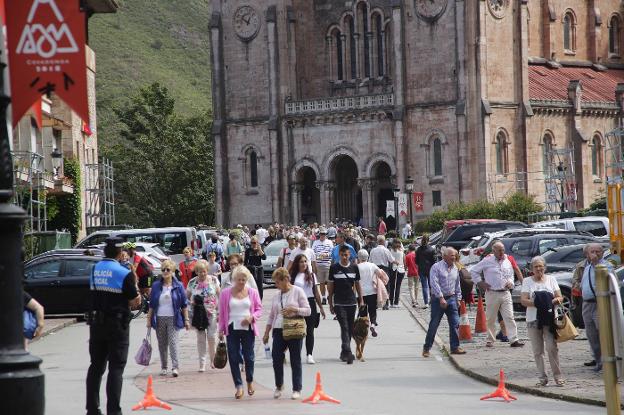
x: 144, y: 354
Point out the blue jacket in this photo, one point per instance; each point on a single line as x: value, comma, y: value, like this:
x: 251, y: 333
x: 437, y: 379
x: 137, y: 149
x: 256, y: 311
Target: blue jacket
x: 178, y: 296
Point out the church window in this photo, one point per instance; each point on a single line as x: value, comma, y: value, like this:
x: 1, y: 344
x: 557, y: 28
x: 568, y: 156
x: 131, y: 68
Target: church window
x: 436, y: 198
x: 352, y: 52
x: 501, y: 153
x: 569, y: 32
x: 253, y: 169
x: 379, y: 41
x: 437, y: 157
x: 363, y: 25
x: 337, y: 36
x: 596, y: 156
x: 547, y: 147
x: 614, y: 35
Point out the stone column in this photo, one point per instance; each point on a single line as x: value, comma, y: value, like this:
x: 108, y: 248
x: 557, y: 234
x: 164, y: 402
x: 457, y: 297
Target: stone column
x: 271, y: 18
x: 371, y: 66
x: 343, y: 46
x: 358, y: 71
x: 367, y: 186
x: 331, y: 191
x: 384, y: 65
x: 320, y: 185
x: 295, y: 191
x: 330, y: 59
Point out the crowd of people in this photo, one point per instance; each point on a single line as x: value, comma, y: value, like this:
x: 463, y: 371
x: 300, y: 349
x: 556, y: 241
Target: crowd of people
x: 340, y: 268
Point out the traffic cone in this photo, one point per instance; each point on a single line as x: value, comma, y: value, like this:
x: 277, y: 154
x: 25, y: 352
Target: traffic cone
x: 501, y: 391
x: 150, y: 399
x: 480, y: 321
x: 319, y: 394
x: 465, y: 332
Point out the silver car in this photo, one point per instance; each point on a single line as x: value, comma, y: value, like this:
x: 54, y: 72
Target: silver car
x: 273, y: 252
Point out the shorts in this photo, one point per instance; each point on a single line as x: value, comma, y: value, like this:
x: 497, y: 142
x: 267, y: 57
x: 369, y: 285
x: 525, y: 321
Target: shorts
x: 145, y: 282
x: 322, y: 274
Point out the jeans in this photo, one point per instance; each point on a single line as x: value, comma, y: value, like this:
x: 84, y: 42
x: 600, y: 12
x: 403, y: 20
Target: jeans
x: 238, y: 340
x: 371, y: 305
x: 279, y: 348
x: 346, y: 318
x: 452, y: 316
x: 394, y: 286
x: 108, y: 344
x: 311, y: 322
x: 258, y: 274
x: 424, y: 282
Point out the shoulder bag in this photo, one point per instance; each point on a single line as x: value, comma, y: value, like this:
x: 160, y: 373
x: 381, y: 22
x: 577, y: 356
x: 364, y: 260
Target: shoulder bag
x: 293, y: 328
x: 563, y: 325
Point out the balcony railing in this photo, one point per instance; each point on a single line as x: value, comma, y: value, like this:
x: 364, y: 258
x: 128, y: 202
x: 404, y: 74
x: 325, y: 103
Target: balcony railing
x: 316, y: 106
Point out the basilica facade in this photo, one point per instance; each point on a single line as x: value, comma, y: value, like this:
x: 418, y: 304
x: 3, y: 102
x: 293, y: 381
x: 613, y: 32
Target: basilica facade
x: 323, y: 107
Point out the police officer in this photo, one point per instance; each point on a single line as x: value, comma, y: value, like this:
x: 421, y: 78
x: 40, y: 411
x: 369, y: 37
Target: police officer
x: 114, y: 292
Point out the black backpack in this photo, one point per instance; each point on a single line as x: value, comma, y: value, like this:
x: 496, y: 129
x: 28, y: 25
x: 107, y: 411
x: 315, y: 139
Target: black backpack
x: 200, y: 317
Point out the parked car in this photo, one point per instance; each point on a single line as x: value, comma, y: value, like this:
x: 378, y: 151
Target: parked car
x: 596, y: 225
x: 565, y: 258
x: 273, y: 252
x: 481, y: 246
x: 460, y: 235
x: 434, y: 238
x: 171, y: 240
x: 59, y: 280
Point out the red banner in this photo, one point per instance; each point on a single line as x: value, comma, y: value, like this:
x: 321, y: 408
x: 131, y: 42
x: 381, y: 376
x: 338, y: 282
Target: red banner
x: 419, y: 198
x: 46, y: 41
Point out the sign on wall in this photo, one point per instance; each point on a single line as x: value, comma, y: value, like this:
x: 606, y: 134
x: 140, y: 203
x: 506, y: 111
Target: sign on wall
x: 419, y: 199
x: 403, y: 204
x: 46, y: 42
x: 389, y: 208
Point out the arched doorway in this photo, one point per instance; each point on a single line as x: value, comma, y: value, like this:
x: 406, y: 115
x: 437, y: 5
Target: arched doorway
x: 348, y: 195
x: 310, y: 196
x: 384, y: 191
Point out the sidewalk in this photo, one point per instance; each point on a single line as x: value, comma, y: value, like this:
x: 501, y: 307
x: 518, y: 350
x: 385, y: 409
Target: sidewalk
x: 582, y: 383
x: 52, y: 325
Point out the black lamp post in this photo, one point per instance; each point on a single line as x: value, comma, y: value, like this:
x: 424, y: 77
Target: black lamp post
x: 21, y: 381
x: 409, y: 188
x: 396, y: 191
x: 57, y: 161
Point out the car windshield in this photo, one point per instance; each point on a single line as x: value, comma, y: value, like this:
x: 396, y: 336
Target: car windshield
x: 157, y: 249
x: 473, y: 243
x: 274, y: 248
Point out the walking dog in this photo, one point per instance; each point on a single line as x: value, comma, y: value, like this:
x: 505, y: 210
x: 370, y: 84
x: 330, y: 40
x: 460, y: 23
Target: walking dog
x: 360, y: 332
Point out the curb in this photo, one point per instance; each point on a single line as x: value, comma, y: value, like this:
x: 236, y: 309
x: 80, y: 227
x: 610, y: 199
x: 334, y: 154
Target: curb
x: 494, y: 381
x: 55, y: 329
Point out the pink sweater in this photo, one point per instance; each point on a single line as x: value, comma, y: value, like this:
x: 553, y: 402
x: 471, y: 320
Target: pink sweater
x: 296, y: 299
x: 224, y: 309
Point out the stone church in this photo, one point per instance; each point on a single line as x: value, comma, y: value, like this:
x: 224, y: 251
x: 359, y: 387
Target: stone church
x: 323, y: 107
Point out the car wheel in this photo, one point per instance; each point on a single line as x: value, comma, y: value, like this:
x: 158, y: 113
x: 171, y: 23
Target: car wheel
x: 567, y: 301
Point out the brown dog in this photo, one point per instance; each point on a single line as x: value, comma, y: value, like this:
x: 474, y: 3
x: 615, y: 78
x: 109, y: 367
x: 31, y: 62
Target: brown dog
x: 360, y: 332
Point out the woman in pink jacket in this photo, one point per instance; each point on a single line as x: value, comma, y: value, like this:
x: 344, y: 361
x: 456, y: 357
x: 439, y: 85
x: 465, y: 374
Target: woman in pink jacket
x: 240, y: 309
x: 290, y: 301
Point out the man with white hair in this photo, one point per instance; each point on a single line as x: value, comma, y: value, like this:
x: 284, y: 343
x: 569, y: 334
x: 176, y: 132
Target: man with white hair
x: 383, y: 258
x: 445, y: 298
x: 495, y: 276
x: 369, y: 273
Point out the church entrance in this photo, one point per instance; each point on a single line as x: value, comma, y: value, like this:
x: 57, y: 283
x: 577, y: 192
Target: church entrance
x: 384, y: 191
x: 310, y: 196
x: 348, y: 196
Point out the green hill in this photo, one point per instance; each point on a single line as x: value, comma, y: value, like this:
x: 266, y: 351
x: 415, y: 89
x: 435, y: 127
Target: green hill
x: 147, y: 41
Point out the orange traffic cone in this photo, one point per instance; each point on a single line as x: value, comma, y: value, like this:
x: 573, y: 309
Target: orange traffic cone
x: 501, y: 391
x: 480, y: 321
x: 319, y: 394
x: 150, y: 399
x: 465, y: 332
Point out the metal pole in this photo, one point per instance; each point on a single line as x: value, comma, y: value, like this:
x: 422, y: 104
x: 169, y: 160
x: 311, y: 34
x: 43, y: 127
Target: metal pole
x: 21, y: 381
x: 607, y: 348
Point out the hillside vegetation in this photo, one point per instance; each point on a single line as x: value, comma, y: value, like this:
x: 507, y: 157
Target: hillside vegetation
x: 146, y: 41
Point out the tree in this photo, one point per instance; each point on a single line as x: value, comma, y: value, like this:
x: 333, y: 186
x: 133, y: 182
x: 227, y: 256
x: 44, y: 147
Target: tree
x: 163, y: 163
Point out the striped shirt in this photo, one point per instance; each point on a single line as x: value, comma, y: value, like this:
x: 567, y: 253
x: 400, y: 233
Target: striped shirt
x: 323, y: 249
x: 444, y: 280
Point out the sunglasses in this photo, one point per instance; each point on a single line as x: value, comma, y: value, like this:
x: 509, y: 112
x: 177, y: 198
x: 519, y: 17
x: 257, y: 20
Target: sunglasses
x: 166, y: 269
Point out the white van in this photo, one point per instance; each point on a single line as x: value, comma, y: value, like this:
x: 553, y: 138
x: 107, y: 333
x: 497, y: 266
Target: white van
x: 596, y: 225
x: 172, y: 240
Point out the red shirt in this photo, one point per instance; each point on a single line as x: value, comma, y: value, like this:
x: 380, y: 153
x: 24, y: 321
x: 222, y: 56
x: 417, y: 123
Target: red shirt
x: 410, y: 261
x: 382, y: 228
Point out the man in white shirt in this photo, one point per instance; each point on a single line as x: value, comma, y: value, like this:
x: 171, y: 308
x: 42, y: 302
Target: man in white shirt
x: 495, y: 275
x: 369, y: 272
x: 305, y: 250
x: 261, y: 233
x: 322, y: 248
x: 382, y: 257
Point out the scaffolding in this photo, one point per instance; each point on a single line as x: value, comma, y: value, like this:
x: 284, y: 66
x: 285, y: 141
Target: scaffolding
x: 29, y: 184
x: 614, y: 166
x: 501, y: 186
x: 560, y: 181
x: 100, y: 194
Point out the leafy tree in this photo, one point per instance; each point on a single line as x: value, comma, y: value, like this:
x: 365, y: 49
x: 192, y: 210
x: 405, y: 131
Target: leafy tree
x: 163, y: 163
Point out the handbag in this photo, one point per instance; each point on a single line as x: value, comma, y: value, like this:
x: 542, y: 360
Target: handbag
x: 144, y: 354
x: 30, y: 324
x: 220, y: 359
x: 564, y: 327
x: 293, y: 328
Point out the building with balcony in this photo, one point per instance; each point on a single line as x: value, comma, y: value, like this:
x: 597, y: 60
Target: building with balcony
x: 39, y: 153
x: 322, y: 108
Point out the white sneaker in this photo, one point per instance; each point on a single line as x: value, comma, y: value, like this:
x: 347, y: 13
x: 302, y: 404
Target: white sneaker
x: 163, y: 372
x: 311, y: 360
x: 277, y: 394
x: 174, y: 372
x: 296, y: 395
x: 202, y: 367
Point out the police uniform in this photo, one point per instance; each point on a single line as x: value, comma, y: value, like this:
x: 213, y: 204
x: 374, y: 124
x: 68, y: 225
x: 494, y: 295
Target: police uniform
x: 112, y: 286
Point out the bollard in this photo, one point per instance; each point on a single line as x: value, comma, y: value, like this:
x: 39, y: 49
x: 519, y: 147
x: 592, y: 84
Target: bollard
x: 607, y: 348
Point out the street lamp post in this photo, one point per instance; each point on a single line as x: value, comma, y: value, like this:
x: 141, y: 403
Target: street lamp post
x: 409, y: 188
x: 561, y: 169
x: 21, y: 381
x: 396, y: 191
